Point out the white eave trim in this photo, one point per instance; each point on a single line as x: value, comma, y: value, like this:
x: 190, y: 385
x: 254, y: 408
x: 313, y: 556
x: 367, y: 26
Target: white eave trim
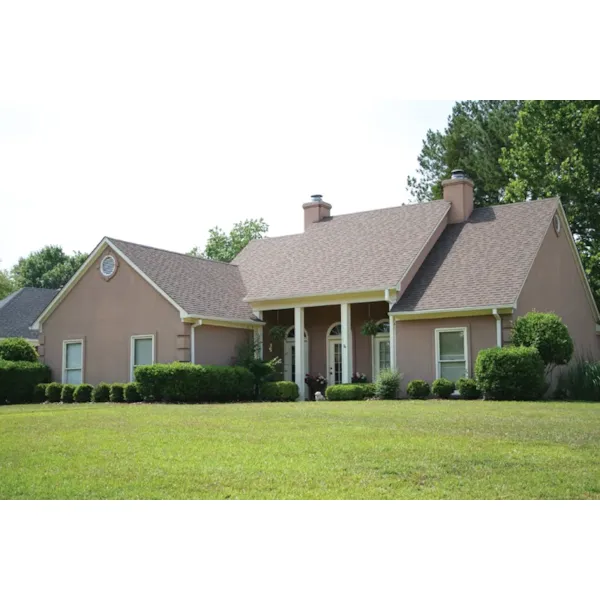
x: 321, y: 295
x: 95, y: 254
x: 482, y: 309
x: 201, y: 318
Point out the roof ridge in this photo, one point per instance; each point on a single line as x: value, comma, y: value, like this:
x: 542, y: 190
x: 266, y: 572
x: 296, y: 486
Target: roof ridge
x: 505, y: 204
x: 220, y: 262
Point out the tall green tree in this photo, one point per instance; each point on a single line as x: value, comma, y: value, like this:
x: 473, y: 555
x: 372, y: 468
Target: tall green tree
x: 226, y: 246
x: 7, y: 285
x: 555, y: 151
x: 473, y: 140
x: 49, y: 267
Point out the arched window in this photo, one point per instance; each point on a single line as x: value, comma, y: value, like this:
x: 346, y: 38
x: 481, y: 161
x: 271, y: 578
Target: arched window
x: 291, y: 334
x: 335, y: 330
x: 383, y: 327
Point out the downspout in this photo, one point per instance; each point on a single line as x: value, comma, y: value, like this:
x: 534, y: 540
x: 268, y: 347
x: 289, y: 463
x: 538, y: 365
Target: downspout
x: 498, y: 327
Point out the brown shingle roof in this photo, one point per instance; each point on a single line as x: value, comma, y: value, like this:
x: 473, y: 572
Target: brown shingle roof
x: 483, y: 262
x: 361, y: 251
x: 201, y: 287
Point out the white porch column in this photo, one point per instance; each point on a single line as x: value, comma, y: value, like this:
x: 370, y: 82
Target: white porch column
x: 346, y: 343
x: 258, y: 336
x: 299, y: 350
x: 393, y: 344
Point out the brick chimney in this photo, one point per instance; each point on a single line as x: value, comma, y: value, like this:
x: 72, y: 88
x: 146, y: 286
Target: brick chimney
x: 316, y: 210
x: 459, y: 191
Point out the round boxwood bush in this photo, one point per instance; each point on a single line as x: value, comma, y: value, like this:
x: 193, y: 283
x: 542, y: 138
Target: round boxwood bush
x: 53, y: 392
x: 350, y: 391
x: 17, y: 349
x: 279, y: 391
x: 511, y: 373
x: 388, y: 384
x: 418, y: 388
x: 442, y: 388
x: 101, y: 393
x: 467, y: 388
x: 117, y: 392
x: 83, y: 393
x: 66, y: 395
x: 547, y: 333
x: 131, y: 393
x: 39, y: 393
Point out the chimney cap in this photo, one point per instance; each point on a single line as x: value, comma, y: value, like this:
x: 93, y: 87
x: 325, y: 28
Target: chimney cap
x: 317, y: 198
x: 458, y: 174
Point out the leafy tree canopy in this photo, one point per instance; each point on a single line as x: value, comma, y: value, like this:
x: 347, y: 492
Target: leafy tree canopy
x: 49, y: 268
x: 226, y: 246
x: 7, y: 285
x: 473, y: 140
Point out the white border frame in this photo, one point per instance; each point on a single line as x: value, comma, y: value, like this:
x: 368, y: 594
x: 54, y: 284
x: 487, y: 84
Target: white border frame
x: 437, y: 332
x: 292, y: 342
x: 374, y: 340
x: 328, y: 339
x: 132, y: 348
x: 106, y: 275
x: 64, y: 359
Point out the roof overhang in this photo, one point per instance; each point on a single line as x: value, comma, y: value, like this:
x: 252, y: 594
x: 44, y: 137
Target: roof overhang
x: 348, y: 297
x: 223, y: 322
x: 475, y: 311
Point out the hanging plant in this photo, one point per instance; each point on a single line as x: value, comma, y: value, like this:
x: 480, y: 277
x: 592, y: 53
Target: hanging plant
x: 278, y: 332
x: 369, y: 328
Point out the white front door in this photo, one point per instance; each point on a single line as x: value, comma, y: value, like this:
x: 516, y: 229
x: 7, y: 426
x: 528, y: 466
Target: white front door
x: 289, y: 359
x: 334, y: 360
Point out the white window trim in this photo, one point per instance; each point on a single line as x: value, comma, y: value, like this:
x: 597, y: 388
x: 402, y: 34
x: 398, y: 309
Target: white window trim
x: 64, y: 359
x: 116, y: 264
x: 132, y: 351
x: 465, y: 330
x: 375, y: 339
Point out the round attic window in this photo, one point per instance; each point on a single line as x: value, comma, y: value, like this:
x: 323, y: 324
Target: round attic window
x: 108, y: 266
x: 556, y: 223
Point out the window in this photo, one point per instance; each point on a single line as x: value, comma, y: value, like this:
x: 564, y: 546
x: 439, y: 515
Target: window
x: 452, y: 359
x: 108, y: 266
x: 73, y: 362
x: 142, y: 352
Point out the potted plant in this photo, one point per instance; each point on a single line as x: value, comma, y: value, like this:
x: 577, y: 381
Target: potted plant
x: 369, y: 327
x: 315, y: 383
x: 359, y: 377
x: 278, y: 332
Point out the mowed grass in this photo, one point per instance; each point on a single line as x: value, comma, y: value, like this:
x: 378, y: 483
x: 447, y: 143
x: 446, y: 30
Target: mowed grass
x: 421, y: 449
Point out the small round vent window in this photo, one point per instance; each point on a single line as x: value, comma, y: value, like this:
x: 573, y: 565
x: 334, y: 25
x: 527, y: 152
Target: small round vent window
x: 108, y: 266
x: 556, y: 222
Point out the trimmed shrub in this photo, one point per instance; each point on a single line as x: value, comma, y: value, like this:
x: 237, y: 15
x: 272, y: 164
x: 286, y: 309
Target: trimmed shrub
x: 83, y: 393
x: 350, y: 391
x: 53, y: 392
x: 511, y: 373
x: 101, y: 393
x: 17, y: 349
x: 467, y: 388
x: 547, y: 333
x: 184, y: 382
x: 66, y: 395
x: 418, y: 388
x: 131, y: 393
x: 442, y: 388
x: 279, y: 391
x: 388, y: 384
x: 117, y: 392
x: 39, y: 393
x: 18, y: 380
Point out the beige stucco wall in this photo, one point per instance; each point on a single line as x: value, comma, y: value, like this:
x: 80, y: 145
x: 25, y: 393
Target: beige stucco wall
x: 554, y: 284
x: 317, y: 321
x: 216, y: 345
x: 105, y: 314
x: 415, y: 344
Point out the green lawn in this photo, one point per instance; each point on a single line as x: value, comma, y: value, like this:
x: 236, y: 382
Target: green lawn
x: 420, y: 449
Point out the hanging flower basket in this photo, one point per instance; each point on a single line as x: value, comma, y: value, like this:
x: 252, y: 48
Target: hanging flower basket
x: 278, y: 332
x: 369, y: 328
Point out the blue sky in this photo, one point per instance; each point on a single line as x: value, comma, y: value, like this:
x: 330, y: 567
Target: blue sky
x: 153, y: 128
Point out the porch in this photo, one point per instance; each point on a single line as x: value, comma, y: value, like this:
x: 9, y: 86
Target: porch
x: 333, y: 343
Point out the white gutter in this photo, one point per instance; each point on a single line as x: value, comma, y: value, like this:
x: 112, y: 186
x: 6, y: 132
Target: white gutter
x: 498, y: 327
x: 224, y: 320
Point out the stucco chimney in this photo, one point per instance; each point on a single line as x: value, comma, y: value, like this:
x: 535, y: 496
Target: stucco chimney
x: 315, y: 210
x: 459, y: 191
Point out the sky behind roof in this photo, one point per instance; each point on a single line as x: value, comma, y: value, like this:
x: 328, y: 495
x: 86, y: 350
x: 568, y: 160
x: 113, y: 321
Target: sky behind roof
x: 153, y: 126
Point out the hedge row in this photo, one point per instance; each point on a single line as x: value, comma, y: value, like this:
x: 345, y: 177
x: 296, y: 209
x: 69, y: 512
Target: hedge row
x: 279, y: 391
x: 18, y: 380
x: 350, y: 391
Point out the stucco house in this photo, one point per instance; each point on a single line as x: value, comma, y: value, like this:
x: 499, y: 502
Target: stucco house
x: 441, y: 279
